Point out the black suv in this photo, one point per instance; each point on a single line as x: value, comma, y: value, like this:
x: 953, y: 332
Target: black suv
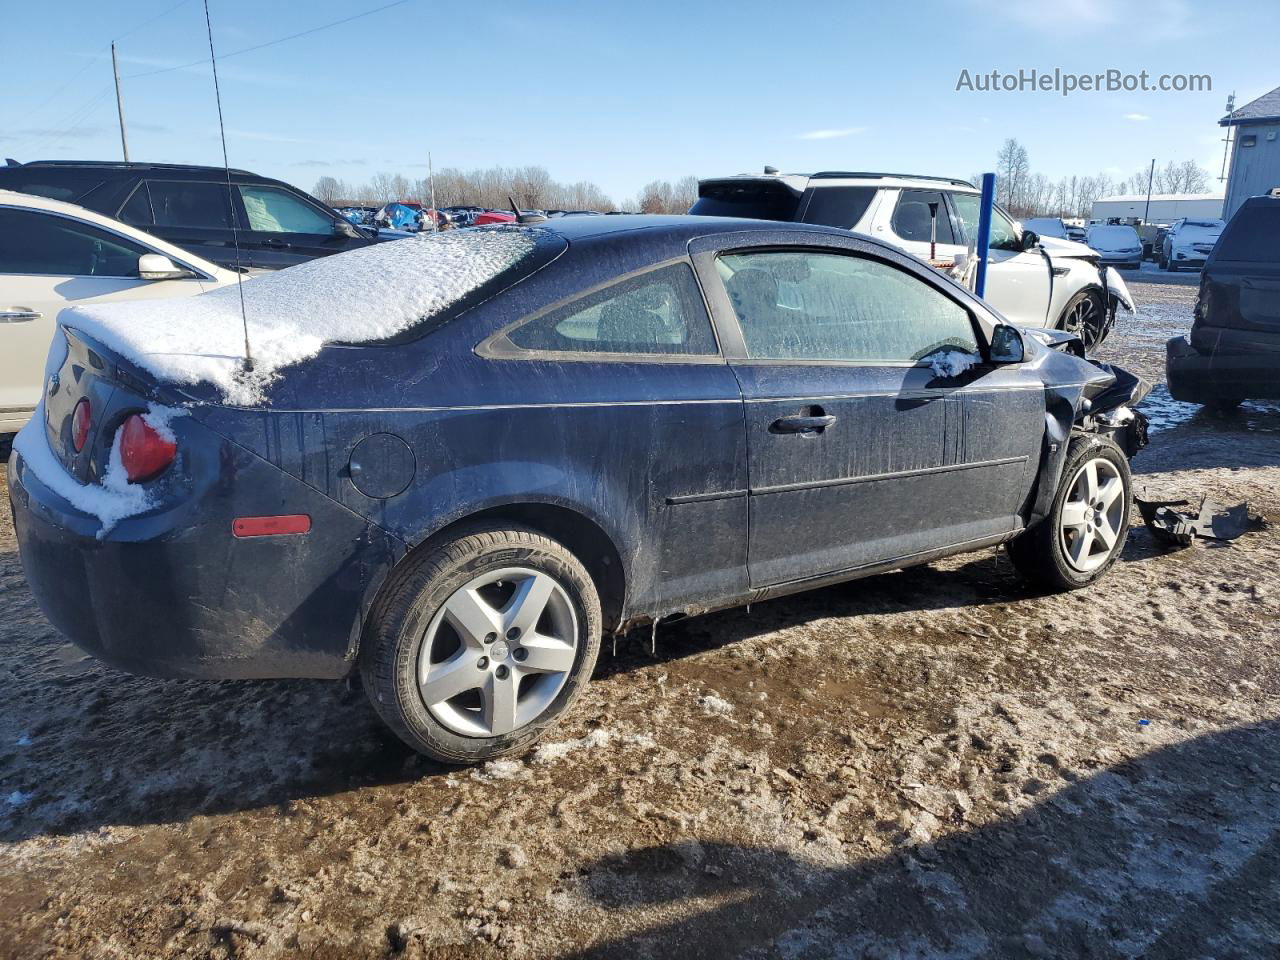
x: 191, y: 206
x: 1233, y: 353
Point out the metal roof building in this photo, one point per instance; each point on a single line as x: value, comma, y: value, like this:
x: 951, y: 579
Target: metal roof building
x: 1254, y: 167
x: 1165, y: 207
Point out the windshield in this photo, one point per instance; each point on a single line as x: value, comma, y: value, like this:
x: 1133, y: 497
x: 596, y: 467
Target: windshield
x: 1253, y: 236
x: 1113, y: 238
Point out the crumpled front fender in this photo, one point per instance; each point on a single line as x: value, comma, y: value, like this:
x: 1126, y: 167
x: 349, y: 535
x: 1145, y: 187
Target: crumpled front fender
x: 1116, y: 287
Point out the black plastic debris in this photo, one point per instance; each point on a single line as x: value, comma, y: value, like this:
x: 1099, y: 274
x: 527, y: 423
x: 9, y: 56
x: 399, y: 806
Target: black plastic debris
x: 1212, y: 521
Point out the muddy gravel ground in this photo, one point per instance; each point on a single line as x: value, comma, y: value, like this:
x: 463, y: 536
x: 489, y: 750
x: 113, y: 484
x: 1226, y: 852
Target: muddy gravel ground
x: 933, y: 763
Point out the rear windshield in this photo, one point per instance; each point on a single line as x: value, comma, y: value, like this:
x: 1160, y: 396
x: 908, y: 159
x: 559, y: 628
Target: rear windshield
x: 758, y: 200
x: 1253, y: 235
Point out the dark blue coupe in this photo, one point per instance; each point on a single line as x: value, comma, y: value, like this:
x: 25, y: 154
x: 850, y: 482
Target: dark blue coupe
x: 630, y: 418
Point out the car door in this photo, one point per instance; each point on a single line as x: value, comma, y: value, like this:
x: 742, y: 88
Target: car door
x: 287, y: 228
x: 1019, y: 282
x: 195, y: 215
x: 49, y: 261
x: 859, y: 451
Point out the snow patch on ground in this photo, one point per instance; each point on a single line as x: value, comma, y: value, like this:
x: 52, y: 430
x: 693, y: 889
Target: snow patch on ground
x: 354, y: 297
x: 551, y: 752
x: 711, y: 704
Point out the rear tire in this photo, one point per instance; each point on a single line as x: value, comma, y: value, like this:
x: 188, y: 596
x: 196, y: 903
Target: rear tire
x: 1069, y: 548
x: 500, y: 626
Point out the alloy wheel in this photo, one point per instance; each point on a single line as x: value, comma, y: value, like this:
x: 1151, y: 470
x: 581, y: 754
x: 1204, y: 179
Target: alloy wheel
x: 498, y: 652
x: 1092, y: 517
x: 1085, y: 321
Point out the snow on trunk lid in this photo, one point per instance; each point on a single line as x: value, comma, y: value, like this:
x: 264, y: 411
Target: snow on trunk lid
x: 360, y: 296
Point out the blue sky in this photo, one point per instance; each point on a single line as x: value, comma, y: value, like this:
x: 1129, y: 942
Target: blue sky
x: 621, y: 93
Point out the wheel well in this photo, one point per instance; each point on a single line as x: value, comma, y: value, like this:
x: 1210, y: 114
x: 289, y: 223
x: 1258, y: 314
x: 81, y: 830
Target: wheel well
x: 582, y: 536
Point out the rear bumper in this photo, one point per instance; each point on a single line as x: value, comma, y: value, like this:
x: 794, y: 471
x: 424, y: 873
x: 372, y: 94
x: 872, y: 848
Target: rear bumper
x: 1197, y: 377
x: 174, y: 594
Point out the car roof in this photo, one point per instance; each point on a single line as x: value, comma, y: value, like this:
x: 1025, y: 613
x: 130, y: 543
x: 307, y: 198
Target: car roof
x: 677, y: 227
x: 835, y: 178
x: 105, y: 166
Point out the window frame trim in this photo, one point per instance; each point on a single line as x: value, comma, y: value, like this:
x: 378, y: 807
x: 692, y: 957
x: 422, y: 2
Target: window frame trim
x: 499, y: 346
x: 199, y: 274
x: 979, y: 332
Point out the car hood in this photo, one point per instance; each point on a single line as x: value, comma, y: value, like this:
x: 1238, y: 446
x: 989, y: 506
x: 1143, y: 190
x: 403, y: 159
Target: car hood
x: 1057, y: 247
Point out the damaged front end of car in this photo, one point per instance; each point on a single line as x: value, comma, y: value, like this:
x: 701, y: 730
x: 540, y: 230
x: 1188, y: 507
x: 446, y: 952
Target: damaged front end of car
x: 1083, y: 396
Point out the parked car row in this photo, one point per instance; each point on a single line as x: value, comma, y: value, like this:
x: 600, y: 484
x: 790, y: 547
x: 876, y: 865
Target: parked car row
x: 1035, y: 281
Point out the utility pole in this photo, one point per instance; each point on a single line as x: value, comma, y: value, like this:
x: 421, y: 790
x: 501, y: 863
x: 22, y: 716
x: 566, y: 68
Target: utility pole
x: 1226, y: 149
x: 115, y: 68
x: 1146, y: 213
x: 431, y: 181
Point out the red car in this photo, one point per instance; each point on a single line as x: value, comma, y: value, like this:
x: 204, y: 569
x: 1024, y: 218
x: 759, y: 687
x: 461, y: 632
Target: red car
x: 493, y: 216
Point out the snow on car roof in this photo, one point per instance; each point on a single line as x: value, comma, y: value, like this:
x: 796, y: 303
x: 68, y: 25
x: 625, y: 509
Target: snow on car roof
x: 355, y: 297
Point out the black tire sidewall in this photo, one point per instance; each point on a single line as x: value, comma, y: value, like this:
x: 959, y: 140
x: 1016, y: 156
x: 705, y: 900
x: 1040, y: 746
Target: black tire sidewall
x: 1081, y: 451
x: 405, y: 629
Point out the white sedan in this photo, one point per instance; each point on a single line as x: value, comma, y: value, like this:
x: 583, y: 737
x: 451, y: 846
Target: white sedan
x: 54, y: 255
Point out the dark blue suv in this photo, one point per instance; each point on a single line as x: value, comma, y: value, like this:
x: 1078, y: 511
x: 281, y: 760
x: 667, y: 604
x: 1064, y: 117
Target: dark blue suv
x: 601, y: 422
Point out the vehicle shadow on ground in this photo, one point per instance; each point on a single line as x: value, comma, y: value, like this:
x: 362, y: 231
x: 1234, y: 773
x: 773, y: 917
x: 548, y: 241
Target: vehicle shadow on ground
x: 1192, y: 437
x: 89, y: 746
x: 1171, y: 855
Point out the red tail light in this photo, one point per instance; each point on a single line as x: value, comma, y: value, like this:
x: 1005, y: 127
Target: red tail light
x: 144, y: 453
x: 80, y: 419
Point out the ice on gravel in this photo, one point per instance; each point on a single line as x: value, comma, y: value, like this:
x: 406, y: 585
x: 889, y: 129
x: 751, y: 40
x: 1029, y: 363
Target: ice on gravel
x: 355, y: 297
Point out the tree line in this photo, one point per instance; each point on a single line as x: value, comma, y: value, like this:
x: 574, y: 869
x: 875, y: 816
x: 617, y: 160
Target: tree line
x: 530, y: 188
x: 1026, y: 194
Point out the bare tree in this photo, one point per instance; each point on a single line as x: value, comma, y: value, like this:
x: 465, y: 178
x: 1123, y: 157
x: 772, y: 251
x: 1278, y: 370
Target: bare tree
x: 328, y: 189
x: 1012, y: 168
x: 1185, y: 177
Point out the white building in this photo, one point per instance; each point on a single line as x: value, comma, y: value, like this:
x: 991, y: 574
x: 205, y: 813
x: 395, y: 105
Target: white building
x: 1165, y: 207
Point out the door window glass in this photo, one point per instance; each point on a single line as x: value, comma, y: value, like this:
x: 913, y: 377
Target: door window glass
x: 182, y: 203
x: 274, y: 210
x: 821, y: 306
x: 137, y: 208
x: 842, y: 206
x: 660, y: 312
x: 43, y: 244
x: 1004, y: 235
x: 913, y: 221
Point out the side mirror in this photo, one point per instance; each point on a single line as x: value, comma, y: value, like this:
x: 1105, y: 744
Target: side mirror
x: 1007, y: 345
x: 345, y: 228
x: 155, y: 266
x: 1029, y: 239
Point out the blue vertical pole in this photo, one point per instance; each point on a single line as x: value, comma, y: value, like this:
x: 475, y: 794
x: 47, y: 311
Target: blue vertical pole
x: 984, y: 229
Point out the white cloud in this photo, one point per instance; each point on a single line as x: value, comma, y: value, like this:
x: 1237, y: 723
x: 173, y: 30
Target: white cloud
x: 1136, y: 116
x: 833, y: 134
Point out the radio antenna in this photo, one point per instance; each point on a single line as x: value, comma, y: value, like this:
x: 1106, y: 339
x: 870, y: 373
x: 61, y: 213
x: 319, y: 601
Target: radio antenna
x: 231, y: 207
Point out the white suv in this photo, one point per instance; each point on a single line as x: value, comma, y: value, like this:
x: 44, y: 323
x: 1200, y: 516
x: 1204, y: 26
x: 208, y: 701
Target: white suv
x: 54, y: 255
x: 1034, y: 281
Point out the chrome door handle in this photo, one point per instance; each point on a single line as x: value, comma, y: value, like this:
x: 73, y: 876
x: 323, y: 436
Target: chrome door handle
x: 18, y: 314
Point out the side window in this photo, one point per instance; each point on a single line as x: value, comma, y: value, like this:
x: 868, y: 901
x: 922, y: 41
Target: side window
x: 1004, y: 235
x: 659, y: 312
x: 182, y: 203
x: 823, y: 306
x: 274, y: 210
x: 47, y: 245
x: 838, y: 206
x: 912, y: 219
x: 137, y: 209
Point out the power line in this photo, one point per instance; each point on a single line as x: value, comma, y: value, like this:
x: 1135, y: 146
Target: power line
x: 271, y: 43
x: 146, y: 23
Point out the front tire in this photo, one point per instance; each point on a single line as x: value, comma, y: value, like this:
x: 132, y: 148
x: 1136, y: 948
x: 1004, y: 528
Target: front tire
x: 480, y: 645
x: 1085, y: 315
x: 1085, y: 531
